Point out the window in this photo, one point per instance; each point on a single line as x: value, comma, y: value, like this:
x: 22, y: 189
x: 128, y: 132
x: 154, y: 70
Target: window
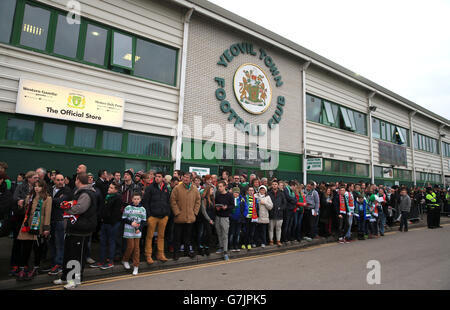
x: 35, y: 27
x: 155, y: 62
x: 416, y: 141
x: 7, y: 8
x: 383, y: 131
x: 122, y: 51
x: 347, y: 168
x: 313, y: 108
x: 66, y: 39
x: 389, y: 134
x: 351, y: 116
x: 148, y: 145
x: 335, y: 166
x: 361, y: 170
x: 112, y: 141
x: 360, y: 122
x: 376, y: 128
x: 378, y: 172
x: 20, y: 130
x: 345, y: 117
x: 85, y: 137
x: 425, y: 143
x: 136, y: 165
x: 54, y: 134
x: 327, y: 165
x: 94, y: 49
x: 329, y: 113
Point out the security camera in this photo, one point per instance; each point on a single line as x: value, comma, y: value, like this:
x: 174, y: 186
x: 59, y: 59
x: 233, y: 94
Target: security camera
x: 372, y: 108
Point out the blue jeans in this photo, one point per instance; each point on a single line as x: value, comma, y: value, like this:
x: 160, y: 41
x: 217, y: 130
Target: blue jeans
x: 298, y: 219
x: 234, y: 234
x: 381, y: 222
x: 362, y: 224
x: 57, y: 242
x: 108, y: 237
x: 350, y: 222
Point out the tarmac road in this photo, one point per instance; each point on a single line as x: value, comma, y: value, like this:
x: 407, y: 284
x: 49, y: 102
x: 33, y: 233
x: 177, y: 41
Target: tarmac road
x: 418, y: 259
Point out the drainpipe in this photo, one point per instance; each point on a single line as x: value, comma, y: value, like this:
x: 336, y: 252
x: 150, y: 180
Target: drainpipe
x: 179, y: 142
x: 442, y: 153
x: 411, y: 143
x: 372, y: 167
x: 304, y: 68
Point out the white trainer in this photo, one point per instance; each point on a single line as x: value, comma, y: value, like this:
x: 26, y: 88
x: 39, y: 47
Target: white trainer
x: 90, y: 260
x: 135, y: 271
x: 70, y: 285
x: 59, y: 282
x: 126, y: 265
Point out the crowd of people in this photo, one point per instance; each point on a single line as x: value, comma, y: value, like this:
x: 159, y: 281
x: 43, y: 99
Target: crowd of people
x: 186, y: 214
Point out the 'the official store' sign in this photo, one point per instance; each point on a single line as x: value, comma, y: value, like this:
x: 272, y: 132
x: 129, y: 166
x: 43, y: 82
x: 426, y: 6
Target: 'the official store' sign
x: 47, y: 100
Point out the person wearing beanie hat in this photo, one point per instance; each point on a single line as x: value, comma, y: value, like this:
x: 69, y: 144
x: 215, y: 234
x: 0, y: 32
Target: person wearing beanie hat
x: 237, y: 218
x: 265, y: 205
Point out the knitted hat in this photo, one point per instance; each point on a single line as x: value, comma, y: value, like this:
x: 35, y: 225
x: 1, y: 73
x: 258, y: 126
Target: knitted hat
x: 130, y: 173
x: 236, y: 190
x: 262, y: 186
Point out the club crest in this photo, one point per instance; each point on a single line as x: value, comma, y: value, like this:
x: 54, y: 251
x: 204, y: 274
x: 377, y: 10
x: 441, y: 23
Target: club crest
x: 252, y: 88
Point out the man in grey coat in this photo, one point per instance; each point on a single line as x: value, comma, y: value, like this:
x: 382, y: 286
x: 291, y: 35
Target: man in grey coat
x: 311, y: 210
x: 405, y: 208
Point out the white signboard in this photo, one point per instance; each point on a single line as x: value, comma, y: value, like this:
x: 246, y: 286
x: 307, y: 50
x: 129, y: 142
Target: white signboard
x: 200, y: 171
x: 47, y: 100
x: 314, y: 164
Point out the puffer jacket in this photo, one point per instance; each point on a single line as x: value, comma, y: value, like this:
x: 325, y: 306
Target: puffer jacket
x: 265, y: 205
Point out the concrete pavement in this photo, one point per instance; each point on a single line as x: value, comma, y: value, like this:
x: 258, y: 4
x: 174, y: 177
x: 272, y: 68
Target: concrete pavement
x: 418, y: 259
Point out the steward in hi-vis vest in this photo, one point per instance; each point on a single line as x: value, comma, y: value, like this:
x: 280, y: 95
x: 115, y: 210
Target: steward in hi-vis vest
x: 433, y: 209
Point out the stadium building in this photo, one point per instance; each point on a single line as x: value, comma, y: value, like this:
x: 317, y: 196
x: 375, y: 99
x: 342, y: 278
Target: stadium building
x: 186, y: 84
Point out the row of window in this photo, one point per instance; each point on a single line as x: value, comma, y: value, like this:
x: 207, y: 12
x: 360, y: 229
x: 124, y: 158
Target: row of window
x: 331, y: 114
x: 58, y: 134
x: 425, y: 143
x: 446, y: 149
x: 345, y: 168
x: 428, y: 177
x: 41, y: 28
x: 390, y: 173
x: 389, y: 132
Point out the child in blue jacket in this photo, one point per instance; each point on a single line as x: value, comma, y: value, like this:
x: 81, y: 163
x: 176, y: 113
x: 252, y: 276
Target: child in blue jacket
x: 237, y: 219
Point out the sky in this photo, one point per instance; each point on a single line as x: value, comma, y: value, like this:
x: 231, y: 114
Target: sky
x: 401, y: 45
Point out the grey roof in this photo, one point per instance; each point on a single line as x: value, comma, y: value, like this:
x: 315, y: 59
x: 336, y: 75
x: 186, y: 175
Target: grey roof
x: 265, y: 32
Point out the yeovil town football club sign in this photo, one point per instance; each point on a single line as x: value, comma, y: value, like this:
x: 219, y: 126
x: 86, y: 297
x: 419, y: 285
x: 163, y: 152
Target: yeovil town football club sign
x: 252, y: 88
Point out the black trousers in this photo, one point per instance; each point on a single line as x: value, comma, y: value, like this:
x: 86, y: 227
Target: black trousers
x: 24, y: 248
x: 75, y: 248
x: 343, y: 225
x: 182, y: 232
x: 15, y: 252
x: 286, y: 228
x: 437, y: 217
x: 308, y: 223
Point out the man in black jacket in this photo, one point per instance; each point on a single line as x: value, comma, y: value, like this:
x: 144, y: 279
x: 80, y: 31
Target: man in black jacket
x: 288, y: 213
x: 156, y: 203
x: 102, y: 183
x: 276, y: 214
x: 59, y: 193
x: 79, y: 227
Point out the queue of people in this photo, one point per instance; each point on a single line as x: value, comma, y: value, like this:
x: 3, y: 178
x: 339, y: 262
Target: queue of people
x: 131, y: 214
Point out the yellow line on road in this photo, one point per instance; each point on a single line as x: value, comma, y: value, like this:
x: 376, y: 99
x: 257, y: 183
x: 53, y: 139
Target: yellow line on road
x: 205, y: 265
x: 186, y: 268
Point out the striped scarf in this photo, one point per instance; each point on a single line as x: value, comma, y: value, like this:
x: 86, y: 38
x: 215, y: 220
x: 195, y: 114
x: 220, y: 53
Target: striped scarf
x: 251, y: 202
x: 342, y: 205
